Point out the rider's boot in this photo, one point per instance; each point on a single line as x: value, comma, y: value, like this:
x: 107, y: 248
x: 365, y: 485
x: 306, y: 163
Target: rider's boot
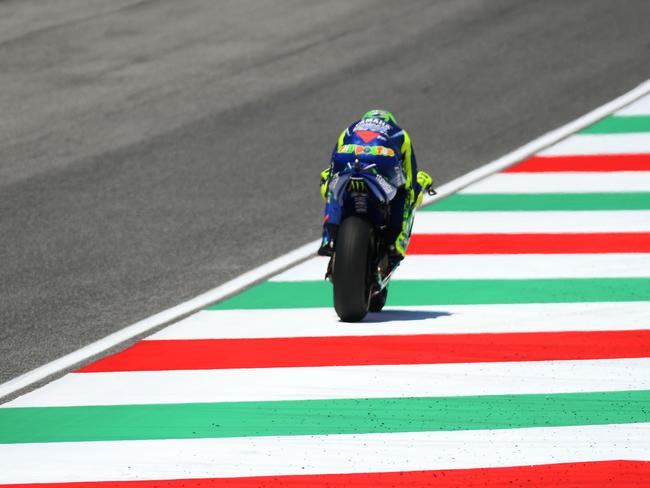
x: 327, y: 243
x: 326, y: 248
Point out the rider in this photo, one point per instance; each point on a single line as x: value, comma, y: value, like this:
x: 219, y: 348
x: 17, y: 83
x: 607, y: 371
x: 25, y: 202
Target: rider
x: 395, y: 142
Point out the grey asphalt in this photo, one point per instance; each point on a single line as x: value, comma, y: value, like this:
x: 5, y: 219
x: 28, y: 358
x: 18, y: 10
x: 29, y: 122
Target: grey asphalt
x: 152, y: 150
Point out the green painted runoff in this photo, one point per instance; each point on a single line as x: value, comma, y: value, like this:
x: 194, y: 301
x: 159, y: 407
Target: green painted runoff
x: 511, y: 202
x: 308, y: 294
x: 618, y: 124
x: 319, y: 417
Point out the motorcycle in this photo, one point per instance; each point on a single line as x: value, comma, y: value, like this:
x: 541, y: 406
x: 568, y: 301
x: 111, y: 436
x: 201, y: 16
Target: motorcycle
x: 360, y: 267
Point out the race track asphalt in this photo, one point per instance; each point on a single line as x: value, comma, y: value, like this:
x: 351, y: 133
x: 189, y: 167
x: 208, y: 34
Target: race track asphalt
x: 152, y: 150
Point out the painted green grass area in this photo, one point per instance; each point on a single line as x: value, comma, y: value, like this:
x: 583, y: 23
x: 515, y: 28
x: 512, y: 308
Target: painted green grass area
x: 540, y: 202
x: 319, y: 417
x: 307, y: 294
x: 620, y: 125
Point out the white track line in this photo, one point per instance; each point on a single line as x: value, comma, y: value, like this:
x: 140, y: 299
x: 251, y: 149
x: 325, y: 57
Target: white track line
x: 320, y: 454
x: 331, y: 382
x: 498, y: 266
x: 447, y: 319
x: 305, y: 251
x: 532, y: 222
x: 640, y: 107
x: 582, y: 144
x: 564, y: 182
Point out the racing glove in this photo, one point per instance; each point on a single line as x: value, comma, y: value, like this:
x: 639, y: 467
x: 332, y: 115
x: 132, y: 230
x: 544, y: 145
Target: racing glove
x: 426, y: 183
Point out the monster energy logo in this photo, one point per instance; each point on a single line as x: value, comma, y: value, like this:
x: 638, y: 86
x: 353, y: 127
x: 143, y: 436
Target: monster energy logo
x: 357, y: 185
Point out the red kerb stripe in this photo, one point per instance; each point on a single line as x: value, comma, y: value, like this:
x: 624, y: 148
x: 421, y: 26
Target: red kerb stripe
x: 612, y: 474
x: 529, y: 243
x: 602, y: 162
x: 160, y: 355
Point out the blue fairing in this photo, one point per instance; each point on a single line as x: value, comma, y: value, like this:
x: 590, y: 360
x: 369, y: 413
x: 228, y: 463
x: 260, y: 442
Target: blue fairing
x: 379, y: 186
x: 380, y: 182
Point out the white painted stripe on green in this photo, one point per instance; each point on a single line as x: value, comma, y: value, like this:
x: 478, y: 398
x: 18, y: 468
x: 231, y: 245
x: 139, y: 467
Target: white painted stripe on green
x: 438, y: 319
x: 319, y: 454
x: 584, y: 144
x: 531, y: 222
x: 640, y: 107
x: 564, y: 182
x: 498, y: 266
x: 312, y: 383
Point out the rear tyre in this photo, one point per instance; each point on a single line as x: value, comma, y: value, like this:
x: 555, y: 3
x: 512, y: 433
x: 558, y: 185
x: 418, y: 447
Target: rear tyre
x: 351, y: 270
x: 378, y: 301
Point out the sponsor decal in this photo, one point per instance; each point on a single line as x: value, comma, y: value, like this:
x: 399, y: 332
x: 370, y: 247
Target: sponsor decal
x: 400, y: 179
x: 373, y: 124
x: 370, y: 150
x: 357, y: 185
x: 387, y: 187
x: 333, y: 182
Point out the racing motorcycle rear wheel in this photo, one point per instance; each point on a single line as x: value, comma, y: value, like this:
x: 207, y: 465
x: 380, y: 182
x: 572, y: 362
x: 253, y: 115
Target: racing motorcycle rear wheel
x: 351, y: 274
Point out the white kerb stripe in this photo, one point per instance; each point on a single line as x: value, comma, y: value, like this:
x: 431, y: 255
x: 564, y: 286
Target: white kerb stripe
x: 531, y: 222
x: 438, y: 319
x: 640, y: 107
x: 331, y: 382
x: 563, y: 182
x: 320, y: 454
x: 498, y: 266
x: 584, y: 144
